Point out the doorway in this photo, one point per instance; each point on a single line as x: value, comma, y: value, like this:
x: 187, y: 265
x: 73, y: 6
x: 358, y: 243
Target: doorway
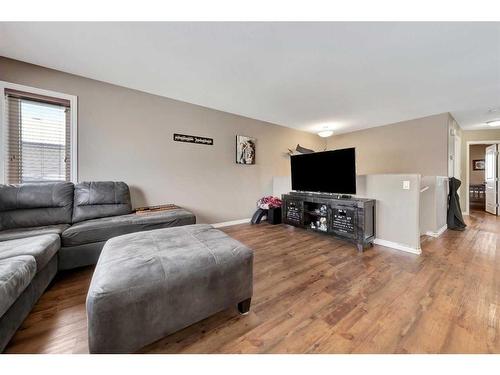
x: 482, y: 177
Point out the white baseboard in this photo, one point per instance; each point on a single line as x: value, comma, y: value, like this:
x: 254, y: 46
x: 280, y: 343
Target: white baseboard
x: 228, y: 223
x: 438, y: 233
x: 397, y: 246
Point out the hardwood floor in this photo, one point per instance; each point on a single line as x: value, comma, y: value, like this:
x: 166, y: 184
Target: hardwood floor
x: 316, y: 294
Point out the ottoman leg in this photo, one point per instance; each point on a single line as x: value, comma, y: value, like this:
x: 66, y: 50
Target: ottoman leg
x: 244, y: 306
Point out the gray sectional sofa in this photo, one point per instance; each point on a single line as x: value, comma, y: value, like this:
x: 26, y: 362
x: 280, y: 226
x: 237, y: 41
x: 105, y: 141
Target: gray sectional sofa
x: 48, y: 227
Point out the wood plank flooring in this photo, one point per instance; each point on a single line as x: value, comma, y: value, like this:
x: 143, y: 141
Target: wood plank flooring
x: 316, y: 294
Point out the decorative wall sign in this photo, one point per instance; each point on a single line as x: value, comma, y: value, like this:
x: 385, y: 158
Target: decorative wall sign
x: 478, y: 165
x: 193, y: 139
x: 245, y: 149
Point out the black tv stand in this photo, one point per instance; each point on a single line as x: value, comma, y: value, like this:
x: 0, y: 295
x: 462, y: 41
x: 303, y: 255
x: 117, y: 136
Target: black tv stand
x: 340, y: 215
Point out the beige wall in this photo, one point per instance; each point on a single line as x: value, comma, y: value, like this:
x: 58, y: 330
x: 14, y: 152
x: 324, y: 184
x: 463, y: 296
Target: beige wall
x: 473, y: 136
x: 415, y: 146
x: 476, y: 152
x: 397, y: 210
x: 126, y: 135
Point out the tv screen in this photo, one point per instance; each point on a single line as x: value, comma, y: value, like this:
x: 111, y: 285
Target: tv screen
x: 326, y: 172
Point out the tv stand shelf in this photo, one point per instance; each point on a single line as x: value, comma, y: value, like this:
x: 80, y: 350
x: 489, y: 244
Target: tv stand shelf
x: 349, y: 218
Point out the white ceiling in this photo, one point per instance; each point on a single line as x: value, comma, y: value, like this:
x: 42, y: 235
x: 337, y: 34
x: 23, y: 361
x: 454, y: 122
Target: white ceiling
x: 346, y: 76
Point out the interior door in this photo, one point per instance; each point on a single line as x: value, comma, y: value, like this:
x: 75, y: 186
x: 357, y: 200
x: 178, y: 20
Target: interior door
x: 490, y: 174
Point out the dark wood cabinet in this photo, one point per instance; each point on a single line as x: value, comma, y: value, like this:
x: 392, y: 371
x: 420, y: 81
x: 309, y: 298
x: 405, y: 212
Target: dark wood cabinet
x: 352, y: 219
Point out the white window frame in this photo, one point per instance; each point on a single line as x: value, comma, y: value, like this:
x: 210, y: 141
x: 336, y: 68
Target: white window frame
x: 73, y: 100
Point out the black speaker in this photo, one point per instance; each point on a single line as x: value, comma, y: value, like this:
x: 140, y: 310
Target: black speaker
x: 274, y: 215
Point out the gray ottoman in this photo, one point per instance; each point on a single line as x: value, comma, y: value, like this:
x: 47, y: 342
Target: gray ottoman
x: 147, y: 285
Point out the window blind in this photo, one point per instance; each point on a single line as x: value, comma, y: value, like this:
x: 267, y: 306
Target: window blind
x: 37, y: 138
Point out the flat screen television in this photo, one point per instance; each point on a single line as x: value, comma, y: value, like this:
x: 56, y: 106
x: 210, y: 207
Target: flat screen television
x: 325, y: 172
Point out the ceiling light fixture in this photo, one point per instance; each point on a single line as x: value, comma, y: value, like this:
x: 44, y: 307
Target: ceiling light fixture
x: 325, y: 133
x: 493, y: 123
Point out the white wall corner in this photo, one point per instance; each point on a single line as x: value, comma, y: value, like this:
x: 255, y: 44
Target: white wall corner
x: 438, y: 232
x: 397, y: 246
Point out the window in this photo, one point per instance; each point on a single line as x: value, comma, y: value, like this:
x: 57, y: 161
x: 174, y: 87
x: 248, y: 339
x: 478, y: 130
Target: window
x: 38, y: 140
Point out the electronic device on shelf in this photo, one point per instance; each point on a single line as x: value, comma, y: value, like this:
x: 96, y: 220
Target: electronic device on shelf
x: 326, y: 172
x: 321, y: 201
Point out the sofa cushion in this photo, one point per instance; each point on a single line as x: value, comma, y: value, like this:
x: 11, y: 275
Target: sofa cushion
x: 12, y: 234
x: 11, y: 321
x: 42, y: 248
x: 101, y: 199
x: 79, y: 256
x: 16, y: 274
x: 103, y: 229
x: 35, y: 204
